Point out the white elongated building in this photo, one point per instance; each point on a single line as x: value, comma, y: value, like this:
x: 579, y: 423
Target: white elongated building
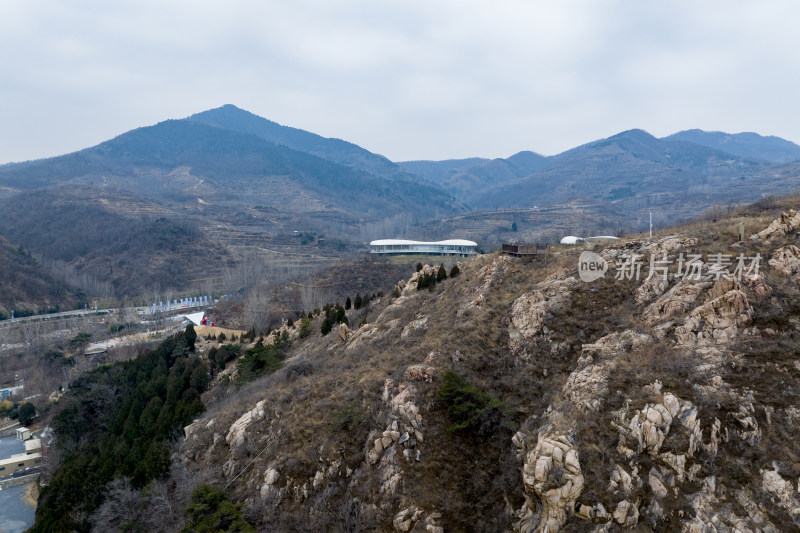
x: 400, y: 246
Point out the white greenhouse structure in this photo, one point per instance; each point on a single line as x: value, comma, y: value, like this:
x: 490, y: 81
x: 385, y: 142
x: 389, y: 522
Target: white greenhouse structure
x: 399, y: 246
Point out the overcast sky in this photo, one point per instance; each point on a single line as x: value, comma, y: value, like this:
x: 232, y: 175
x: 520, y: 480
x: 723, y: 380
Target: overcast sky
x: 407, y: 79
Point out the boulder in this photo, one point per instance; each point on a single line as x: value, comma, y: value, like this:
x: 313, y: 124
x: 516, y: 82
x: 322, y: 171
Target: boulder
x: 554, y: 478
x: 344, y: 332
x: 626, y: 514
x: 236, y: 433
x: 271, y: 476
x: 420, y: 372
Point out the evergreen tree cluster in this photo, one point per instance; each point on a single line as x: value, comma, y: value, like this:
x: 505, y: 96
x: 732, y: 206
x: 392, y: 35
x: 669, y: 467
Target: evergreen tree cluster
x: 429, y: 281
x: 212, y: 511
x: 218, y: 357
x: 120, y: 420
x: 263, y: 359
x: 334, y: 314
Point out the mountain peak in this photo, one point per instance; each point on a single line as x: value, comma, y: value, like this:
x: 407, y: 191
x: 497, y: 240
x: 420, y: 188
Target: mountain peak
x: 636, y: 133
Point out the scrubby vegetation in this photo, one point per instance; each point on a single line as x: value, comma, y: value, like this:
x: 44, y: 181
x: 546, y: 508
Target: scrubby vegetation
x: 471, y: 410
x: 261, y: 359
x: 211, y: 511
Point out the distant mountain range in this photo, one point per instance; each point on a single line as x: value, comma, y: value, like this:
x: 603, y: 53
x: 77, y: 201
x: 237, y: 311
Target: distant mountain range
x: 226, y: 182
x: 746, y: 145
x: 676, y: 175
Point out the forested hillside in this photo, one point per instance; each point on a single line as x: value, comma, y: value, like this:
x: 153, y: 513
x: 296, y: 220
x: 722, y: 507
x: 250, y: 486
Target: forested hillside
x: 120, y: 422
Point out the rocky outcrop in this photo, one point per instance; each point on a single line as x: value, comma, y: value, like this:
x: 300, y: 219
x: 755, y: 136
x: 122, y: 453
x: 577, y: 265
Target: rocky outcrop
x: 717, y: 321
x: 677, y: 301
x: 586, y: 385
x: 773, y: 483
x: 553, y: 481
x: 344, y: 332
x: 402, y: 436
x: 420, y: 372
x: 784, y: 225
x: 407, y: 288
x: 236, y: 433
x: 713, y: 505
x: 666, y: 249
x: 529, y: 311
x: 487, y: 276
x: 786, y: 261
x: 411, y: 519
x: 419, y: 324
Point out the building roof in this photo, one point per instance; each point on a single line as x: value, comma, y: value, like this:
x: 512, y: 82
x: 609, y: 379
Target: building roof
x: 451, y: 242
x: 196, y: 318
x: 571, y: 239
x: 601, y: 238
x: 19, y: 458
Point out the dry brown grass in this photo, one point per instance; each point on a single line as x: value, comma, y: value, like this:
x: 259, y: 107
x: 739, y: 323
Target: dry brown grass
x: 329, y: 406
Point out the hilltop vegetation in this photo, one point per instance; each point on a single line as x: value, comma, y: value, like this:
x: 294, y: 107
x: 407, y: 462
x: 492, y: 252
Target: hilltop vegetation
x: 455, y: 398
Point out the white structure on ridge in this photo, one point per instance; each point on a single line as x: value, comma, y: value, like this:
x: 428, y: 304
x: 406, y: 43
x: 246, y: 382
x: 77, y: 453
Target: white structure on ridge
x: 399, y: 246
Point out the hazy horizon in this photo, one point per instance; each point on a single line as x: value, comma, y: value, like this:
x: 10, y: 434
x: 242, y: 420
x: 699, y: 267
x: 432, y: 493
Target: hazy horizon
x: 408, y: 80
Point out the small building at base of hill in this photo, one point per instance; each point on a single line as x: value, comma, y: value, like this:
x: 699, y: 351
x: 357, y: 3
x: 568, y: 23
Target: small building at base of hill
x: 399, y: 246
x: 18, y: 462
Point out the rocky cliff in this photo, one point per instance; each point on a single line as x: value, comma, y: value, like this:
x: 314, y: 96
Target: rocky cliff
x: 661, y: 397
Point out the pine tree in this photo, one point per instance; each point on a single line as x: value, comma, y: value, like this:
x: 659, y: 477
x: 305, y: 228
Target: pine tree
x: 347, y: 304
x: 326, y: 326
x: 441, y: 274
x: 358, y: 302
x: 191, y: 336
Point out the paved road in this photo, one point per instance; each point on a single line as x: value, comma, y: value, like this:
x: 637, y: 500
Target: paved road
x: 54, y: 316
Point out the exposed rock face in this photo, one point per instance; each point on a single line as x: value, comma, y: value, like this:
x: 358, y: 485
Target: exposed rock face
x: 772, y: 482
x: 417, y: 325
x: 719, y: 319
x: 487, y: 276
x: 402, y: 436
x: 551, y: 475
x: 236, y: 433
x: 410, y: 286
x: 586, y: 386
x: 420, y: 372
x: 411, y: 519
x: 529, y: 311
x: 786, y: 261
x: 784, y: 225
x: 655, y: 283
x: 677, y: 301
